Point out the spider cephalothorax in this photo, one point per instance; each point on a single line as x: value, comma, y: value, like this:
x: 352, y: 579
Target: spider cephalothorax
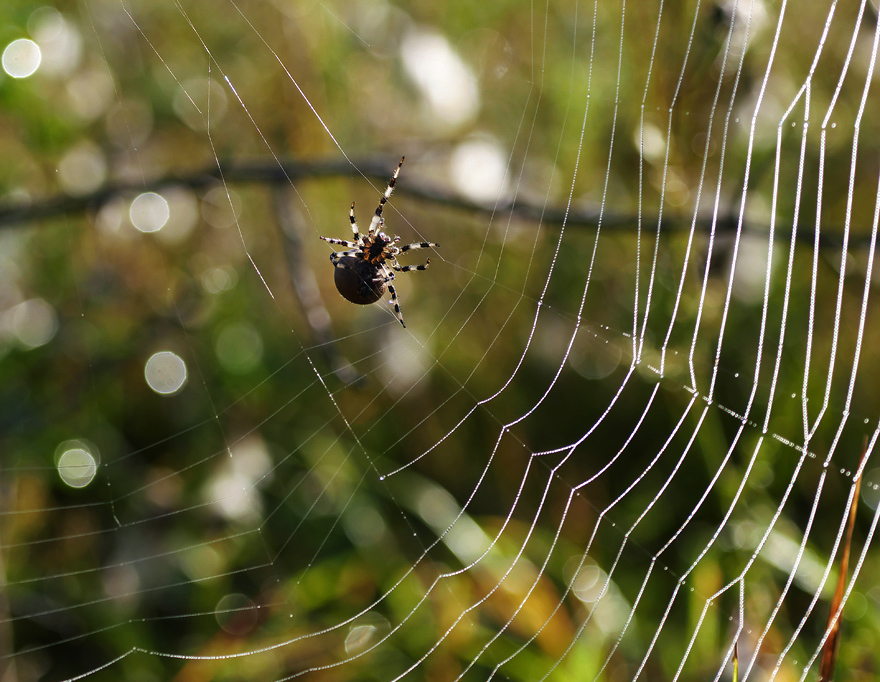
x: 366, y: 269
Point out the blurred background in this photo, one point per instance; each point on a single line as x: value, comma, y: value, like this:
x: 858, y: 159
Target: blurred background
x: 622, y: 427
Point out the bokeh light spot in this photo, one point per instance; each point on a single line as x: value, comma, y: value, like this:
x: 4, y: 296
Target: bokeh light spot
x: 218, y: 280
x: 490, y: 184
x: 82, y: 169
x: 359, y: 638
x: 447, y: 84
x: 165, y: 373
x: 183, y: 215
x: 59, y: 40
x: 149, y: 212
x: 870, y: 488
x: 239, y: 347
x: 77, y: 464
x: 21, y: 58
x: 236, y: 614
x: 200, y: 102
x: 221, y: 207
x: 34, y: 323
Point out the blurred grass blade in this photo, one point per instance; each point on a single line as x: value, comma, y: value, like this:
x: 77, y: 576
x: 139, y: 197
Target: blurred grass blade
x: 736, y: 662
x: 832, y: 642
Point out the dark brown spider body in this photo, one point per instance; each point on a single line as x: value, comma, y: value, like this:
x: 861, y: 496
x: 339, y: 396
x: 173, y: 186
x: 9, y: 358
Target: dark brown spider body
x: 366, y: 269
x: 356, y: 280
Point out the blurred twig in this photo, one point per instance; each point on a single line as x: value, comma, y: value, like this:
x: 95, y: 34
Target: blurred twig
x: 306, y: 287
x: 832, y: 642
x: 288, y: 171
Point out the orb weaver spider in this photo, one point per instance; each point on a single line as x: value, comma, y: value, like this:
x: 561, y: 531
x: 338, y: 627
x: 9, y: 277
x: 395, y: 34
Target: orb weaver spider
x: 366, y: 269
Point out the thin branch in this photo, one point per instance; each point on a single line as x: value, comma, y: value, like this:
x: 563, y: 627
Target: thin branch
x: 271, y: 172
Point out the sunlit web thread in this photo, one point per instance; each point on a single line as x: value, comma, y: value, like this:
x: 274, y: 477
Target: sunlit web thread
x: 207, y: 120
x: 656, y: 556
x: 868, y: 79
x: 551, y: 477
x: 520, y: 551
x: 717, y: 202
x: 738, y: 235
x: 797, y: 561
x: 830, y: 561
x: 626, y: 536
x: 714, y: 402
x: 575, y: 493
x: 866, y: 545
x: 733, y: 638
x: 697, y: 201
x: 268, y: 146
x: 540, y: 302
x: 449, y: 574
x: 770, y: 242
x: 808, y: 431
x: 298, y: 89
x: 850, y: 188
x: 256, y: 268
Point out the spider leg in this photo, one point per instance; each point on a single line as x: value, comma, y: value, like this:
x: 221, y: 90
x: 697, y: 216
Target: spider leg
x: 354, y: 225
x: 416, y: 245
x: 395, y: 303
x: 337, y: 255
x: 410, y: 268
x: 344, y: 242
x: 377, y: 217
x: 386, y: 277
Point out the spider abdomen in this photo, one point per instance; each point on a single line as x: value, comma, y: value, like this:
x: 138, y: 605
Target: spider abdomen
x: 358, y: 281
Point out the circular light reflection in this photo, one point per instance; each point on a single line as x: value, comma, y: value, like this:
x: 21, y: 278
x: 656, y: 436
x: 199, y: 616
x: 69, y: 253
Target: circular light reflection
x: 871, y: 488
x: 490, y: 184
x: 594, y: 357
x: 149, y: 212
x: 221, y: 207
x: 129, y: 123
x: 77, y: 465
x: 589, y: 583
x: 445, y: 81
x: 202, y: 562
x: 111, y: 218
x: 239, y: 347
x: 218, y: 280
x: 34, y: 323
x: 82, y: 169
x: 200, y: 102
x: 165, y: 373
x: 90, y: 93
x: 359, y: 638
x: 236, y: 614
x: 364, y: 525
x: 21, y: 58
x: 183, y: 215
x: 61, y: 44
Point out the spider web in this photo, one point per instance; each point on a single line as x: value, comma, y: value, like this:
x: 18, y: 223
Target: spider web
x: 622, y: 432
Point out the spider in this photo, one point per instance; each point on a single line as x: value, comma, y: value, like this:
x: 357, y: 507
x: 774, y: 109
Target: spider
x: 364, y: 271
